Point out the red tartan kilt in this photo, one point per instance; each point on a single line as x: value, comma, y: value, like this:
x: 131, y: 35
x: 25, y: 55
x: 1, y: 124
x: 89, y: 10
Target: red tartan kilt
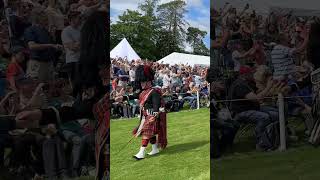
x: 150, y: 128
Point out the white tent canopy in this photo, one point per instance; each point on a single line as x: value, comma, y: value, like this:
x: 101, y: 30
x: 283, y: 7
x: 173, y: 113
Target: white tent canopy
x: 124, y: 50
x: 187, y: 59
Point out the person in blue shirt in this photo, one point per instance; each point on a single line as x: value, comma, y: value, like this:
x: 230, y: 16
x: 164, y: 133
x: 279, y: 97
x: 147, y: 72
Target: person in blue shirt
x: 42, y: 49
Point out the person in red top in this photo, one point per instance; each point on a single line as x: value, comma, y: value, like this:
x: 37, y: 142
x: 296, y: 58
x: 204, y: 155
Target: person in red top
x: 15, y: 69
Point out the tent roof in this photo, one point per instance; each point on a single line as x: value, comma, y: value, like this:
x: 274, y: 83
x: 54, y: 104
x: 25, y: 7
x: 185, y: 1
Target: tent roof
x: 124, y: 50
x: 190, y: 59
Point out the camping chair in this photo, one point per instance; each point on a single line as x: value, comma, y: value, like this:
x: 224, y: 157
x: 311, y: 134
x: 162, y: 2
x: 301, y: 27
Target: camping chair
x: 244, y: 129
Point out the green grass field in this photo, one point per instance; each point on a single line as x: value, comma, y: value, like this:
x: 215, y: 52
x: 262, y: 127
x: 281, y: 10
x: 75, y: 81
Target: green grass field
x: 299, y: 162
x: 186, y: 157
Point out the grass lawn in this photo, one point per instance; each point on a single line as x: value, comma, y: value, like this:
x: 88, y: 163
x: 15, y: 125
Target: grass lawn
x: 186, y: 157
x: 299, y: 162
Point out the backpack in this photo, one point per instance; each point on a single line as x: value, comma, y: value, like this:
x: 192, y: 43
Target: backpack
x: 270, y: 139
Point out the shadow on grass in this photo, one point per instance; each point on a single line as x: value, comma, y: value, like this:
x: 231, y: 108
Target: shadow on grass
x: 246, y: 144
x: 178, y: 148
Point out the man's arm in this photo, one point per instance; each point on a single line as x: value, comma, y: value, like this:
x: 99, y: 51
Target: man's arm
x: 262, y: 94
x: 35, y: 46
x: 68, y: 43
x: 246, y: 54
x: 72, y: 46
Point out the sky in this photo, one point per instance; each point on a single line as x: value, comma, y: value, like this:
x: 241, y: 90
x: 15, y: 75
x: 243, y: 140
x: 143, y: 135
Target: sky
x: 198, y: 13
x: 263, y: 5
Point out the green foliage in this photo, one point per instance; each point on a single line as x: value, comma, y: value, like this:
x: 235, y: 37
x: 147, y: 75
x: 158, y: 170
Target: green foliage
x: 195, y: 38
x: 138, y: 30
x: 171, y: 18
x: 156, y: 32
x: 297, y: 163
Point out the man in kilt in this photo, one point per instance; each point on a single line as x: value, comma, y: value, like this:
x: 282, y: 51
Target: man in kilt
x: 152, y: 114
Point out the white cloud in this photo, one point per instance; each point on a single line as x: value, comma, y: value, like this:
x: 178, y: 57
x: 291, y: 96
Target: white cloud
x: 122, y: 5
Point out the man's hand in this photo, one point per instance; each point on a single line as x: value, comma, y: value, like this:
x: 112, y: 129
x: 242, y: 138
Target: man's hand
x: 152, y: 119
x: 28, y: 119
x: 57, y: 46
x: 269, y: 83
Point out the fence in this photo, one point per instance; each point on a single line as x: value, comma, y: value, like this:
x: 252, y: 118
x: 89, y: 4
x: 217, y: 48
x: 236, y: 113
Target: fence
x: 282, y: 121
x: 197, y: 94
x: 196, y: 100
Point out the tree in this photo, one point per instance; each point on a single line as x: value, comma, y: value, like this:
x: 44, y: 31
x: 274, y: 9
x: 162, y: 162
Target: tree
x: 138, y: 31
x: 171, y: 18
x: 195, y: 38
x: 149, y: 7
x: 156, y: 31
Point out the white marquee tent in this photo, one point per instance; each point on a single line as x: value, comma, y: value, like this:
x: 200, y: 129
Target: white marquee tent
x: 124, y: 50
x: 187, y: 59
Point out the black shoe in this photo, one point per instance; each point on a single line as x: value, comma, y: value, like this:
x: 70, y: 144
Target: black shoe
x: 138, y: 159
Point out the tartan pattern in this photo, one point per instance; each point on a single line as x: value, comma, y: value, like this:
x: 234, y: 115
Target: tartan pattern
x: 162, y: 131
x: 144, y: 96
x: 101, y: 111
x: 150, y: 129
x: 157, y: 127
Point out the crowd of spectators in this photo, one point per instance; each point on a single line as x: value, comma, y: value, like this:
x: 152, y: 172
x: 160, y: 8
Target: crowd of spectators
x: 260, y: 56
x: 39, y: 53
x: 178, y: 83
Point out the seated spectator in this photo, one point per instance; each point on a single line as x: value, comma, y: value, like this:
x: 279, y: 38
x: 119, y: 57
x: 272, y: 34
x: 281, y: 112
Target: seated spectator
x: 134, y: 103
x: 249, y: 110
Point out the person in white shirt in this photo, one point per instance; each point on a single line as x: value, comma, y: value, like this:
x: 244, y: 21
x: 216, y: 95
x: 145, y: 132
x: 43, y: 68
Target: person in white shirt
x: 282, y: 54
x: 70, y: 37
x: 132, y: 74
x: 166, y: 80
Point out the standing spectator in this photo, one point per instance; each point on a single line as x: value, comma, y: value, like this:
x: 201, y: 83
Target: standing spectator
x: 282, y: 57
x: 123, y: 76
x: 19, y: 22
x: 42, y: 50
x: 132, y: 75
x: 55, y: 20
x: 166, y: 80
x: 71, y: 41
